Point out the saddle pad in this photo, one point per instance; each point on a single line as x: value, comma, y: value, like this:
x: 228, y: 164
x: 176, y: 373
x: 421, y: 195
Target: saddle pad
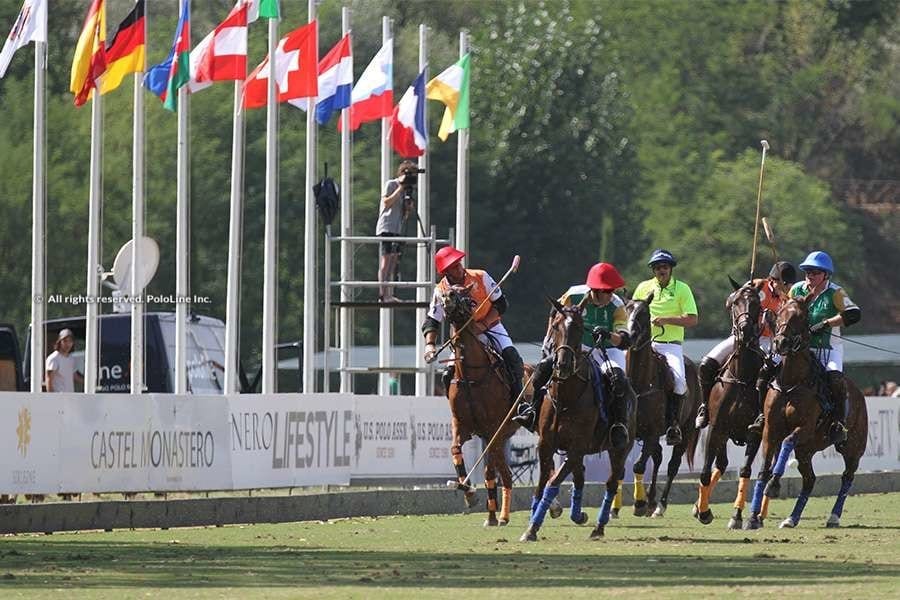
x: 597, y: 384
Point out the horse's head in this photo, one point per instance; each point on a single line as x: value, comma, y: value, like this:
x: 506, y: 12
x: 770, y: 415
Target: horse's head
x: 792, y: 327
x: 458, y: 304
x: 567, y: 329
x: 745, y: 305
x: 638, y: 324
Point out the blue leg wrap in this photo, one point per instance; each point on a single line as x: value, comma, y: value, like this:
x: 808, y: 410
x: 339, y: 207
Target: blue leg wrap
x: 603, y: 515
x: 550, y: 493
x: 756, y: 504
x: 802, y: 499
x: 841, y: 497
x: 534, y: 503
x: 786, y: 448
x: 575, y: 508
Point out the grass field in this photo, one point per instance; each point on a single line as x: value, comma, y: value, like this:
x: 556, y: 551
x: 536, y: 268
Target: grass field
x: 447, y: 556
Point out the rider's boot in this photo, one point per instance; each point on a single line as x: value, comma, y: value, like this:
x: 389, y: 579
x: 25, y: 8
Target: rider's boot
x: 837, y: 385
x: 516, y: 369
x: 618, y: 431
x: 447, y: 379
x: 673, y: 409
x: 528, y: 411
x: 762, y: 388
x: 708, y: 371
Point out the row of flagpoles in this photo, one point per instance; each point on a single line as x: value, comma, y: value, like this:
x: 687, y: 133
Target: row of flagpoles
x: 295, y: 75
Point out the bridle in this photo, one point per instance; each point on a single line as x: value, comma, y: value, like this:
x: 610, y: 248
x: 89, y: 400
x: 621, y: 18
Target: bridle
x: 745, y: 325
x: 636, y: 329
x: 787, y: 339
x: 563, y: 327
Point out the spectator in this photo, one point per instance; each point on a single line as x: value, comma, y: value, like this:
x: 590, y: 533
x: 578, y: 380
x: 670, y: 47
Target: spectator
x: 61, y: 373
x: 392, y: 215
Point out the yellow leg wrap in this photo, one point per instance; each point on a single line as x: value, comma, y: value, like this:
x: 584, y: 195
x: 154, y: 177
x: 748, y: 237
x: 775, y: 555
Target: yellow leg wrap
x: 703, y: 505
x: 741, y: 498
x: 764, y: 511
x: 617, y: 501
x: 639, y: 487
x: 506, y: 503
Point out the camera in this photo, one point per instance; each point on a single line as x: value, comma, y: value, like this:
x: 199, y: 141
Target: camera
x: 410, y: 176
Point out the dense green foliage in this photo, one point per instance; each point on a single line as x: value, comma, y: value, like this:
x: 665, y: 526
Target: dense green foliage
x: 599, y: 130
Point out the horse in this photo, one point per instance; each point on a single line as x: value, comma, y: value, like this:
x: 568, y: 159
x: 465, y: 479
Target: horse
x: 571, y: 421
x: 796, y: 422
x: 733, y: 404
x: 652, y: 380
x: 479, y: 401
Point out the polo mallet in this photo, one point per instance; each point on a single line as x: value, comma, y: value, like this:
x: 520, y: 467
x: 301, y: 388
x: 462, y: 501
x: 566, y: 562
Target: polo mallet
x: 464, y: 484
x: 770, y: 235
x: 762, y: 165
x: 512, y: 269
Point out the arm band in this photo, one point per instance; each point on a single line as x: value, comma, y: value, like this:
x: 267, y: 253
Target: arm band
x: 851, y: 315
x: 501, y: 304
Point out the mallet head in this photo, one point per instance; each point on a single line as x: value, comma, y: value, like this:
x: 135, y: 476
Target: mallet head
x: 764, y: 144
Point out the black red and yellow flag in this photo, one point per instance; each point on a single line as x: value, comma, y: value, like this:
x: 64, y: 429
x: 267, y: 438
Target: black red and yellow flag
x: 89, y: 62
x: 125, y: 54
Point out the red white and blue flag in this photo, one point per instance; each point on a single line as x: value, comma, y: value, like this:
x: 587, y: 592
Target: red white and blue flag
x: 335, y: 81
x: 222, y: 54
x: 407, y: 132
x: 373, y: 95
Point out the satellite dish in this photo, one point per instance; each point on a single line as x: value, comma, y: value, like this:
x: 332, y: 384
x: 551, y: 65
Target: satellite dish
x: 149, y: 257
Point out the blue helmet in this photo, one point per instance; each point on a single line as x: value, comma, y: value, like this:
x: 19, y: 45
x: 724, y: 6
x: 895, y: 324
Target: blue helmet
x: 662, y: 256
x: 818, y: 260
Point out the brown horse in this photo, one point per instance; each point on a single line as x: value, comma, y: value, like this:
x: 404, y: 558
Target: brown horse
x: 795, y: 420
x: 652, y: 380
x: 571, y: 421
x: 732, y: 404
x: 479, y: 401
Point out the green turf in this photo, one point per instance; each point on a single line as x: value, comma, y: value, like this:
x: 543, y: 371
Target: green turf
x: 445, y: 556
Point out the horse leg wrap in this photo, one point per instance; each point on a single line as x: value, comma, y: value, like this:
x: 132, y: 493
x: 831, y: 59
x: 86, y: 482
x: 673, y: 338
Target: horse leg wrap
x: 716, y: 476
x: 765, y: 508
x: 617, y: 501
x: 802, y: 499
x: 842, y: 496
x: 550, y: 494
x: 505, y: 503
x: 535, y: 502
x: 741, y: 499
x: 459, y: 462
x: 703, y: 504
x: 491, y: 486
x: 575, y: 507
x: 603, y: 515
x: 639, y: 493
x: 786, y: 448
x: 756, y: 503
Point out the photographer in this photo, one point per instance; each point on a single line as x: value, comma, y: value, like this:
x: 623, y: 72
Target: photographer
x: 396, y: 204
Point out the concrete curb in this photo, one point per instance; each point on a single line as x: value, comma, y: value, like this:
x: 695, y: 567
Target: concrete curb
x: 109, y: 515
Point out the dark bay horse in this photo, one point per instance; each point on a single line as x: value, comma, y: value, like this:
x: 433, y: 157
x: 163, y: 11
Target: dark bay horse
x: 479, y: 401
x: 732, y: 404
x: 652, y: 381
x: 570, y: 421
x: 795, y: 420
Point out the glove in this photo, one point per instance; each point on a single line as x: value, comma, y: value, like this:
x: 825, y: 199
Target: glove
x: 819, y: 327
x: 601, y: 333
x: 430, y: 353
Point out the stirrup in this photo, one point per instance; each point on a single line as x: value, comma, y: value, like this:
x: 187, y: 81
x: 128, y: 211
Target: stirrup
x: 756, y: 427
x: 673, y: 435
x: 702, y: 419
x: 618, y: 435
x: 526, y: 417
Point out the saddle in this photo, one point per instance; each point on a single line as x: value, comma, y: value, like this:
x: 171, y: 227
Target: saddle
x: 668, y: 382
x: 818, y: 383
x: 600, y: 387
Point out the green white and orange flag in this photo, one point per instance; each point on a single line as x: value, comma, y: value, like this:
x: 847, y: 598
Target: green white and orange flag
x: 267, y: 9
x: 452, y: 88
x: 89, y: 62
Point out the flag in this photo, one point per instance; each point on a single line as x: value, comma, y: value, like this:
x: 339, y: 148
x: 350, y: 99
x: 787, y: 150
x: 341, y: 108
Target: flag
x: 89, y: 62
x: 125, y: 54
x: 267, y: 9
x: 30, y: 26
x: 373, y: 95
x: 407, y: 131
x: 335, y: 81
x: 296, y: 59
x: 166, y: 78
x: 452, y: 88
x: 222, y: 55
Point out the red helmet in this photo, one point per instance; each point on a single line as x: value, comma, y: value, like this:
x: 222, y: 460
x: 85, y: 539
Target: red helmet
x: 604, y: 276
x: 446, y: 257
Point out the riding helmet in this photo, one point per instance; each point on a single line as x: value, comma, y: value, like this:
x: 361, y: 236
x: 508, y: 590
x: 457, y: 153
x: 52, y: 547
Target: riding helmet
x: 661, y: 255
x: 818, y: 260
x: 446, y: 257
x: 604, y: 276
x: 784, y: 271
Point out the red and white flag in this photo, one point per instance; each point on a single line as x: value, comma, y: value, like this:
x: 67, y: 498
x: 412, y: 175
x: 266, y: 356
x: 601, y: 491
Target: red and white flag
x: 222, y: 54
x: 296, y: 67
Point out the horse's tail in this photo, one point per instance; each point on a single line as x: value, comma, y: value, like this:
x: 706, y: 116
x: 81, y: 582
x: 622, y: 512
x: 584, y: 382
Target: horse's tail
x: 693, y: 440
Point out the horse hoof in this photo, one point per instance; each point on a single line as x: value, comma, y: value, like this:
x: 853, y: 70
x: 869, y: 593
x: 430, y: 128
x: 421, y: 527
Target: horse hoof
x: 640, y: 508
x: 491, y: 522
x: 659, y: 512
x: 597, y: 533
x: 773, y: 489
x: 530, y: 535
x: 503, y: 522
x: 469, y: 497
x: 580, y: 519
x: 705, y: 517
x: 787, y: 524
x: 735, y: 523
x: 753, y: 523
x: 651, y: 508
x: 833, y: 522
x: 614, y: 513
x: 556, y: 509
x: 694, y: 510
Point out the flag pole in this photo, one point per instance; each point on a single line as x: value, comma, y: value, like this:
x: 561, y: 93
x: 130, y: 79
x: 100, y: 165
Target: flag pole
x: 462, y: 170
x: 310, y: 273
x: 346, y: 327
x: 94, y: 268
x: 39, y: 218
x: 424, y: 210
x: 270, y: 267
x: 137, y: 229
x: 385, y: 315
x: 182, y: 236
